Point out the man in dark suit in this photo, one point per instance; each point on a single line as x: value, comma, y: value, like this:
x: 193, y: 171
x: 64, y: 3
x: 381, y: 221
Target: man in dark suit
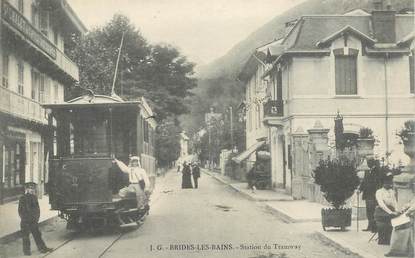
x: 372, y: 181
x: 196, y: 174
x: 29, y: 213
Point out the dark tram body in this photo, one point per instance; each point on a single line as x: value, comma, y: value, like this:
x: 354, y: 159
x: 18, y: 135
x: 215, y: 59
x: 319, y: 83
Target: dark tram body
x: 90, y: 132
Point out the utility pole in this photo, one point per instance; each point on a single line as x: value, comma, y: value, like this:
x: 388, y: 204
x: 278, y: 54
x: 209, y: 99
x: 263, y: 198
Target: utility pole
x: 231, y: 118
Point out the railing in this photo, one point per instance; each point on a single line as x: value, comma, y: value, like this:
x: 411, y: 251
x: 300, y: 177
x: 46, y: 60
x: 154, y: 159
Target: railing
x: 20, y: 106
x: 274, y: 108
x: 18, y: 22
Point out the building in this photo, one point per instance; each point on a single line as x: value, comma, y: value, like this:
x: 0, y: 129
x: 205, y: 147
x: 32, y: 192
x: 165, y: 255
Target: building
x: 360, y: 64
x: 34, y: 70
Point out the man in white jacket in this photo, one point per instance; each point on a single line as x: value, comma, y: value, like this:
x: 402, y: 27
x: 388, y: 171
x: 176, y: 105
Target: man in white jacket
x: 139, y: 182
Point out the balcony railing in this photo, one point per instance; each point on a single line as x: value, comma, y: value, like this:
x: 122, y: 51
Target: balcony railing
x: 274, y: 108
x: 19, y: 24
x: 20, y: 106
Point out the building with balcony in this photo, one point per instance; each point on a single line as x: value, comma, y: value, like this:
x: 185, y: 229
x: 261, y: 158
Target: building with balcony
x: 360, y: 63
x: 34, y: 70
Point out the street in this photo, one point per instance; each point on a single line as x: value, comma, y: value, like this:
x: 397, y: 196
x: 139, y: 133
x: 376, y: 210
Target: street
x: 212, y: 221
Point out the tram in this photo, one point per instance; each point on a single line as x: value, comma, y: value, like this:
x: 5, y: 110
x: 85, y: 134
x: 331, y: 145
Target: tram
x: 91, y: 135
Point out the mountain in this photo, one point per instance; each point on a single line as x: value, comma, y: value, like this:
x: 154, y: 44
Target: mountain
x: 231, y: 63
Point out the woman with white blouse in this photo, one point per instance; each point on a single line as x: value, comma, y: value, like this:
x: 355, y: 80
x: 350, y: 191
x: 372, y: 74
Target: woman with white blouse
x: 385, y: 210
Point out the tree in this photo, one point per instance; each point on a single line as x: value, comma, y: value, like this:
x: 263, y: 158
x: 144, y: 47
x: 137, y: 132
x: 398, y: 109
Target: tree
x: 160, y: 73
x: 169, y: 143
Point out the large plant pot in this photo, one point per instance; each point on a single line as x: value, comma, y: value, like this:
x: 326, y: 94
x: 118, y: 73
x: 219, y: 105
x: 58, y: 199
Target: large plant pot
x: 365, y: 146
x: 332, y: 217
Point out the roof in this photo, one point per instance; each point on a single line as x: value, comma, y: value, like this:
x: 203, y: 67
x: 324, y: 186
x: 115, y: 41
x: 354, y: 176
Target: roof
x: 346, y: 29
x: 93, y: 101
x: 264, y: 54
x: 312, y: 29
x: 73, y: 17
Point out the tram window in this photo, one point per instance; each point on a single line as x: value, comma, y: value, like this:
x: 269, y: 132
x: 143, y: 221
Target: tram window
x: 90, y: 137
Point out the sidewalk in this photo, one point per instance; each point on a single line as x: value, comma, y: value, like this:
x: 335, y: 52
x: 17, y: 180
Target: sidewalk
x: 241, y: 187
x: 10, y: 227
x: 293, y: 211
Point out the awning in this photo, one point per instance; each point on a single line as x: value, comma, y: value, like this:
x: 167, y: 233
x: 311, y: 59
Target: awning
x: 244, y: 155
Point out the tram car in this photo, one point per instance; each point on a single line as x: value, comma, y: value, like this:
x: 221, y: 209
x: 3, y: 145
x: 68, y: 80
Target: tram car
x: 91, y: 136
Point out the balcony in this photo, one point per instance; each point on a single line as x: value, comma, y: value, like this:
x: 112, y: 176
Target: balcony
x: 23, y: 29
x: 273, y: 112
x: 22, y: 107
x: 273, y: 108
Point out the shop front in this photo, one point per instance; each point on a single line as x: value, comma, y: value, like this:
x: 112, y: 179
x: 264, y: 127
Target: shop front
x: 13, y: 160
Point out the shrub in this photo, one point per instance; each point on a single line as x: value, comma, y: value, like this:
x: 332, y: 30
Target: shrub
x: 337, y: 180
x: 365, y: 132
x: 408, y: 127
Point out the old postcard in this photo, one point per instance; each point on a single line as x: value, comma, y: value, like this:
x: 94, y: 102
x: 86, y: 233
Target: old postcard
x: 192, y: 128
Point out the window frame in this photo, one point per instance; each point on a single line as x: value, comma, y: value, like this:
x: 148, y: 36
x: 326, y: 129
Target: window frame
x: 5, y: 72
x: 342, y: 54
x: 20, y: 77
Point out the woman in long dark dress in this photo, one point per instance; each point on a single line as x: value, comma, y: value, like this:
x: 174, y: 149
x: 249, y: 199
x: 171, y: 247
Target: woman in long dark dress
x: 186, y: 176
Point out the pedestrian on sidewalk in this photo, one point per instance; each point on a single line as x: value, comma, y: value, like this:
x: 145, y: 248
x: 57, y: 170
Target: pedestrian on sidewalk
x: 196, y: 174
x: 29, y: 213
x: 186, y: 176
x: 402, y: 240
x: 250, y: 177
x: 386, y: 210
x: 370, y: 184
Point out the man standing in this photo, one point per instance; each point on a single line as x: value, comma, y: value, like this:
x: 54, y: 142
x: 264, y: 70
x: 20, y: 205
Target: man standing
x: 196, y: 174
x: 372, y: 181
x: 29, y: 213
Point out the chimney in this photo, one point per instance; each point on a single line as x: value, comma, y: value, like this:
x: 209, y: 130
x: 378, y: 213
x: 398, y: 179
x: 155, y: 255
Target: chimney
x: 383, y: 22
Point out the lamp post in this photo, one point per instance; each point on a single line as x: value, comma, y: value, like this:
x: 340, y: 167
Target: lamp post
x: 361, y: 170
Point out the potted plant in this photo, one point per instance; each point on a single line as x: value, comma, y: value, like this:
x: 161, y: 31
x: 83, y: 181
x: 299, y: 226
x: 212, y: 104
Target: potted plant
x: 407, y: 134
x: 365, y: 142
x: 337, y: 180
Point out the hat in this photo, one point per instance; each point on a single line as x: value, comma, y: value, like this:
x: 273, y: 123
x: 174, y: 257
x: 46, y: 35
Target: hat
x: 30, y: 184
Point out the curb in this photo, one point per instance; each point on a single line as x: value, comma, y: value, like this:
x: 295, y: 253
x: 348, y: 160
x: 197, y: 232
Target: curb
x: 16, y: 235
x: 343, y: 245
x: 245, y: 194
x: 287, y: 218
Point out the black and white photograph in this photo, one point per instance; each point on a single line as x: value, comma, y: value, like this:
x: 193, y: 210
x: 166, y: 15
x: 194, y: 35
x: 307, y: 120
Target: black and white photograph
x: 211, y: 129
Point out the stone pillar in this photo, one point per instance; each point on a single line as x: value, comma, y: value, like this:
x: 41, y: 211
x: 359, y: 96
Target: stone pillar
x: 319, y: 150
x: 319, y: 141
x: 276, y: 156
x: 405, y: 182
x: 300, y: 140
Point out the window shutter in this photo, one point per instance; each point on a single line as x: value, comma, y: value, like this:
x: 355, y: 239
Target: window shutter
x: 346, y: 75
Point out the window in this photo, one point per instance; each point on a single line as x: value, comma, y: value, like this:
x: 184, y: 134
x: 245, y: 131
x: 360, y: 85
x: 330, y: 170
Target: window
x: 5, y: 79
x: 146, y: 135
x: 44, y: 22
x: 56, y: 92
x: 346, y: 74
x: 35, y: 85
x: 55, y: 36
x: 411, y: 72
x: 35, y: 16
x: 20, y: 77
x: 20, y: 6
x: 42, y: 89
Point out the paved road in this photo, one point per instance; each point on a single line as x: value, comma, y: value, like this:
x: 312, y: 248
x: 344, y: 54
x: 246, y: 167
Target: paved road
x: 212, y: 221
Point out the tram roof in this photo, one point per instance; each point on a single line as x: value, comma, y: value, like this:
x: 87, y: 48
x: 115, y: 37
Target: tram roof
x: 93, y: 101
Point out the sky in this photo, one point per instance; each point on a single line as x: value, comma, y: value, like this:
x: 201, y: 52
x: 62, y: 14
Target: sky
x: 203, y: 30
